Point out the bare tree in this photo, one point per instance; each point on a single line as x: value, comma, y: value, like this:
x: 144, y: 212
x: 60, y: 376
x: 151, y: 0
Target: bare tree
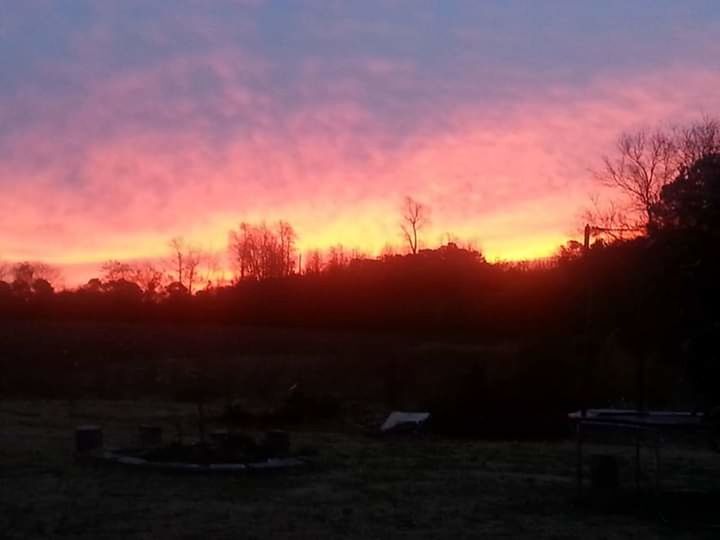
x: 287, y: 236
x: 240, y: 248
x: 144, y: 274
x: 212, y: 269
x: 193, y: 260
x: 616, y: 221
x: 313, y: 262
x: 116, y: 270
x: 572, y: 250
x: 27, y: 272
x: 450, y: 238
x: 4, y: 270
x: 337, y: 257
x: 177, y: 258
x: 261, y: 252
x: 415, y: 216
x: 644, y: 163
x: 185, y: 260
x: 697, y: 140
x: 148, y: 276
x: 388, y: 251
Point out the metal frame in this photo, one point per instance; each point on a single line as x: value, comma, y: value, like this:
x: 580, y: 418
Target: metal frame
x: 652, y: 423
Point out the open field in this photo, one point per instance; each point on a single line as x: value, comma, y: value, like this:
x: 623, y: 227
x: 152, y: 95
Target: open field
x: 358, y: 487
x: 89, y: 360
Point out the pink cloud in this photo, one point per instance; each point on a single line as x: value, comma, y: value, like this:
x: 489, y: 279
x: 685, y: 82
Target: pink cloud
x: 142, y: 157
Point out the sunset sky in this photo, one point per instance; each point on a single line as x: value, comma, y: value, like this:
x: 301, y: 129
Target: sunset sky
x: 124, y: 123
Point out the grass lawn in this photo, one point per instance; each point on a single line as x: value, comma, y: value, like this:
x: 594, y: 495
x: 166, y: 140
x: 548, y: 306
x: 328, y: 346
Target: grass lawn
x: 358, y: 487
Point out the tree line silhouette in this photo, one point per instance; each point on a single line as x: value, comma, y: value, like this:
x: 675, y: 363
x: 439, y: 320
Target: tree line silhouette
x: 646, y: 280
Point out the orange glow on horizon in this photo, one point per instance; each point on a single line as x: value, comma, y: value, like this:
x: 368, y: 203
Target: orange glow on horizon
x: 79, y: 268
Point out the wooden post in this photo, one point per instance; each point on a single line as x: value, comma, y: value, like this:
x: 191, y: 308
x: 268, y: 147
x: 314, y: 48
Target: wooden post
x: 201, y: 422
x: 641, y: 368
x: 586, y: 238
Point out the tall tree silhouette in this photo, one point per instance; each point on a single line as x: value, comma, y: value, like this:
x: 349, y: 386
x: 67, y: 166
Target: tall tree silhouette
x: 115, y: 270
x: 415, y: 216
x: 149, y: 277
x: 27, y: 272
x: 313, y: 262
x: 185, y: 261
x: 691, y: 203
x: 337, y: 257
x: 697, y: 141
x: 644, y: 162
x: 260, y: 251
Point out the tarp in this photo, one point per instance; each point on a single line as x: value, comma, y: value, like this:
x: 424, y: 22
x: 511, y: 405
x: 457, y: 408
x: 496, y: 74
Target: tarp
x: 399, y: 420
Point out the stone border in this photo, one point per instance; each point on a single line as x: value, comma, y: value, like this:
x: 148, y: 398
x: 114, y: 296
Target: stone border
x: 122, y: 457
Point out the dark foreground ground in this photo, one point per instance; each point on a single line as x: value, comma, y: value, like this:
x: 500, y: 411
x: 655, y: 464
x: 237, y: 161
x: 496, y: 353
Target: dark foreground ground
x: 359, y: 487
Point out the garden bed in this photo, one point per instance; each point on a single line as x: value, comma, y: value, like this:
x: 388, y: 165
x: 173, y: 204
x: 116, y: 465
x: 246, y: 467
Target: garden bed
x: 198, y: 458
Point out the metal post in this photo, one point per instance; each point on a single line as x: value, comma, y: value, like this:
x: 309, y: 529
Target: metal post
x: 637, y: 460
x: 658, y: 442
x: 588, y: 301
x: 579, y: 471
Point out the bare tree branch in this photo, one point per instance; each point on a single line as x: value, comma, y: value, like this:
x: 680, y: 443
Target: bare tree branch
x: 415, y: 216
x: 261, y: 252
x: 185, y: 261
x: 646, y: 161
